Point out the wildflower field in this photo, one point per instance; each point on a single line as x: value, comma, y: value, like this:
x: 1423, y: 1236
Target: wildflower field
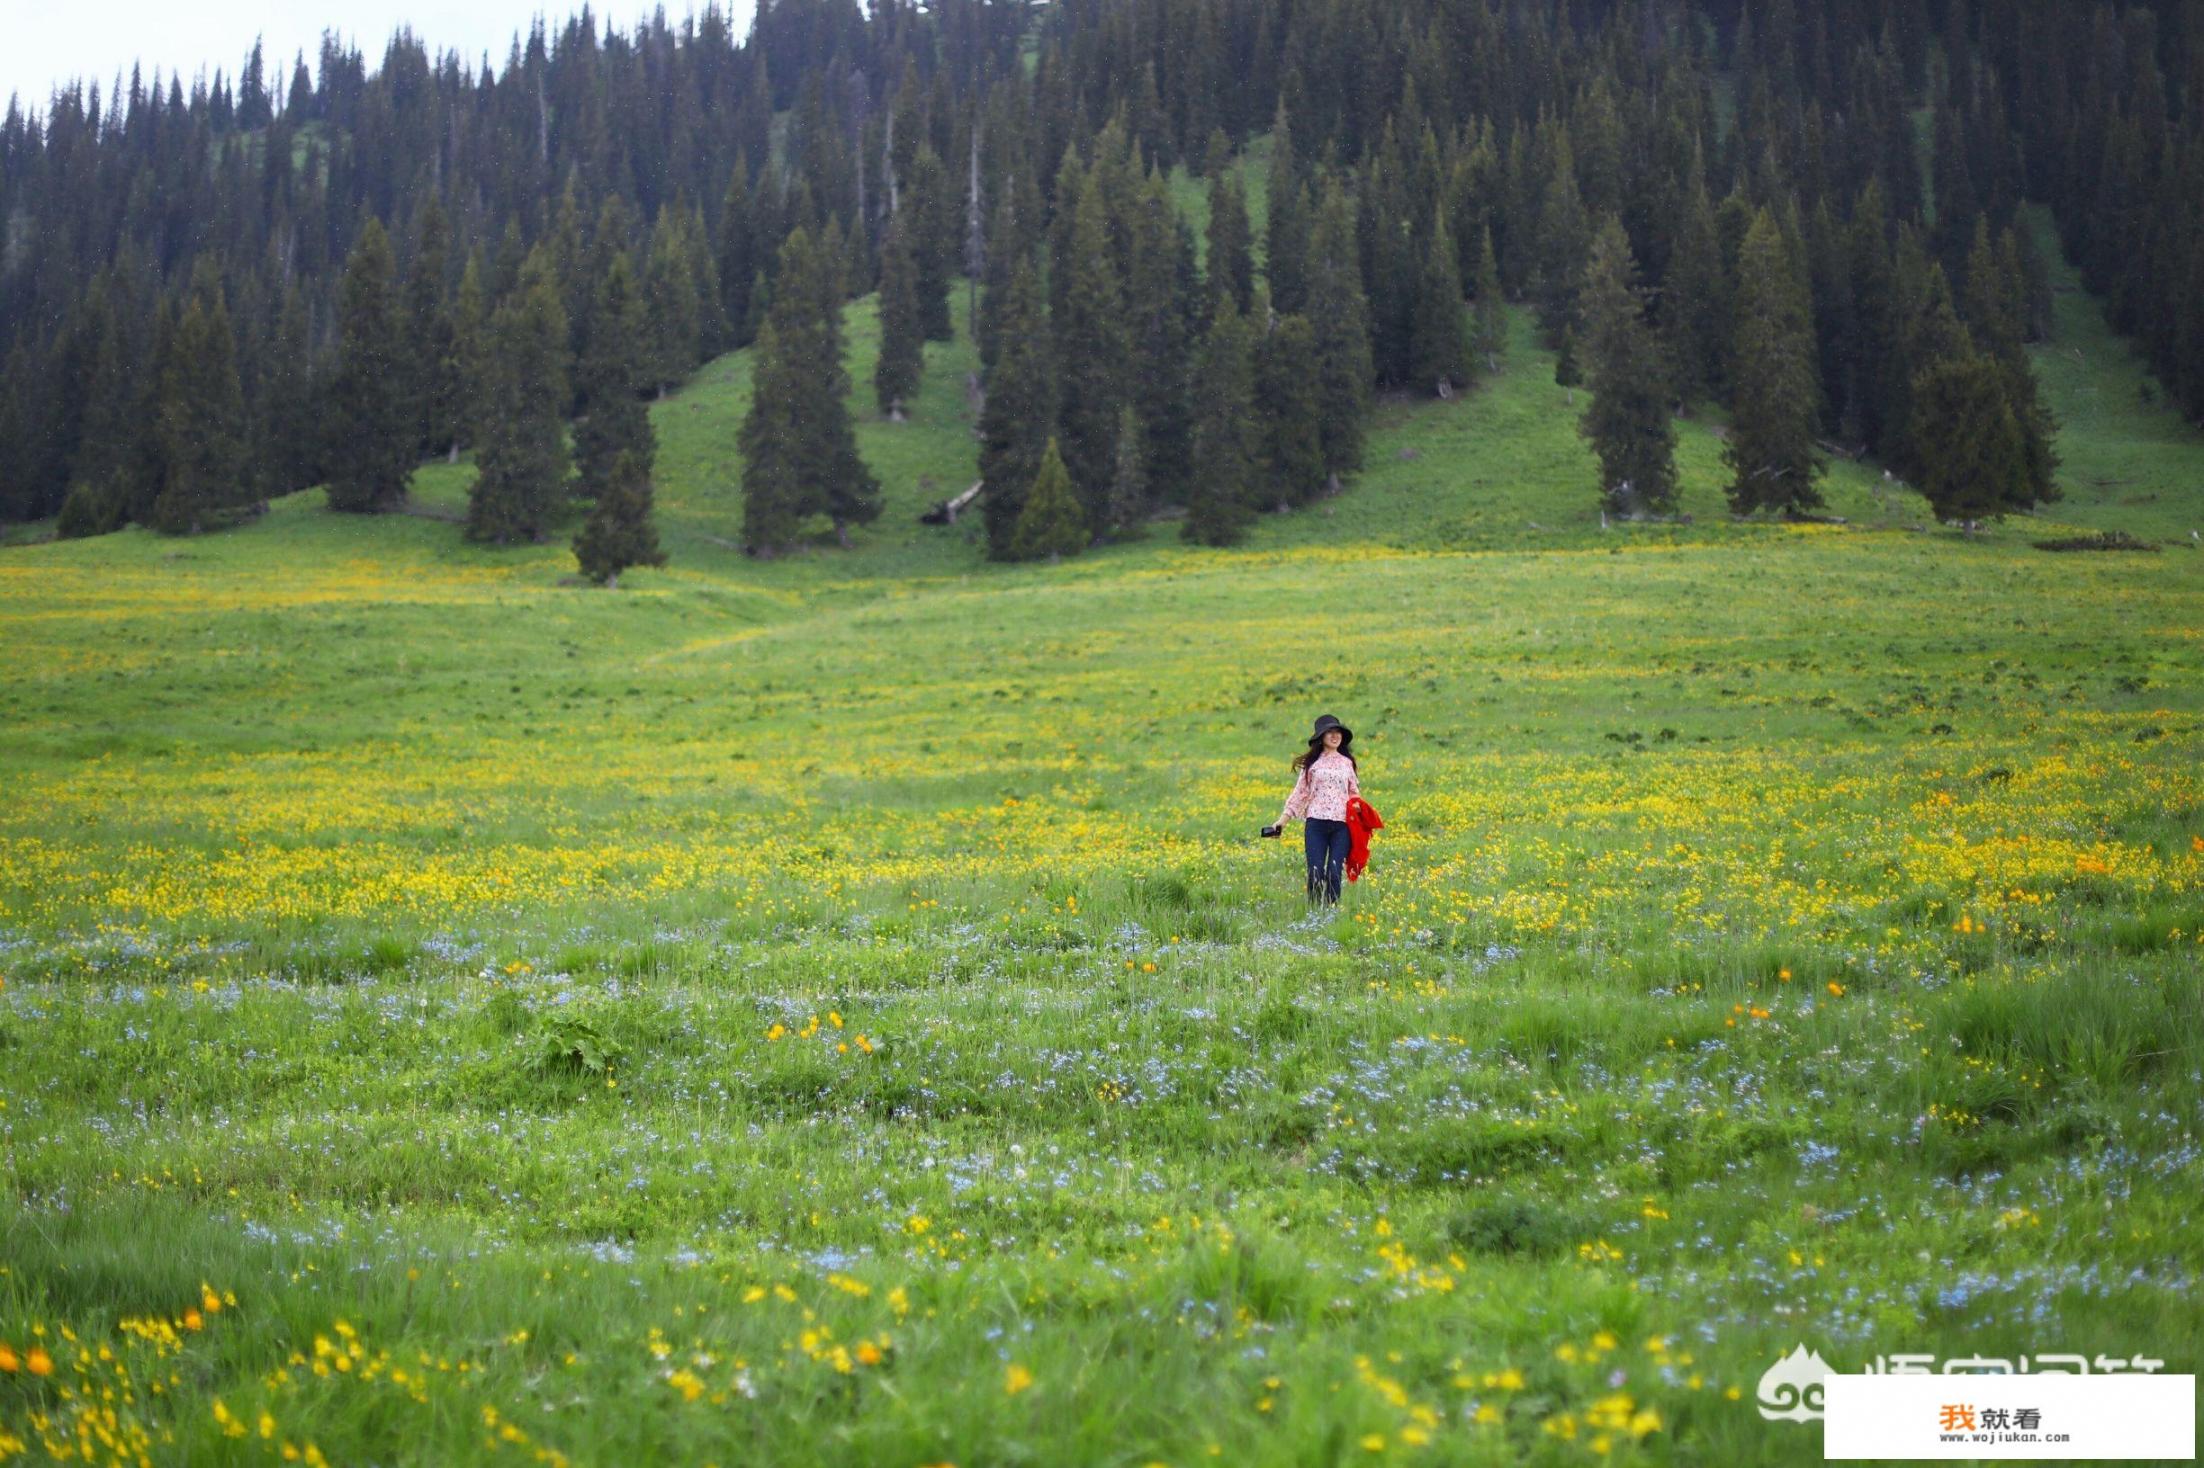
x: 839, y: 1011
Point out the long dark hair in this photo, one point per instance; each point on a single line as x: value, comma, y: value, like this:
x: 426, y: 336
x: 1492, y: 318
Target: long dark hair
x: 1308, y: 756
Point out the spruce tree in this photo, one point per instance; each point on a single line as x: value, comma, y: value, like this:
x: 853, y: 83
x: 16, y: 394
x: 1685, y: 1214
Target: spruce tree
x: 471, y: 352
x: 1975, y: 465
x: 1694, y: 302
x: 1489, y: 334
x: 1231, y: 244
x: 1051, y: 523
x: 1219, y: 496
x: 737, y: 261
x: 200, y: 411
x: 896, y: 375
x: 798, y: 440
x: 1092, y: 351
x: 930, y: 202
x: 1627, y: 421
x: 1018, y: 420
x: 1438, y: 344
x: 609, y: 379
x: 1771, y: 449
x: 1129, y: 476
x: 773, y: 505
x: 1564, y: 245
x: 1341, y: 318
x: 670, y: 309
x: 1289, y: 439
x: 431, y: 368
x: 619, y: 533
x: 520, y: 483
x: 373, y: 432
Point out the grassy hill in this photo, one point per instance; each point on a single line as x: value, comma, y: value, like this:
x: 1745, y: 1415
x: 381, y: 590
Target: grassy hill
x: 838, y: 1010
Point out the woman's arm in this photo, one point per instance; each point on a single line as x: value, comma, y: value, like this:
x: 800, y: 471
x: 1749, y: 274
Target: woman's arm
x: 1297, y: 803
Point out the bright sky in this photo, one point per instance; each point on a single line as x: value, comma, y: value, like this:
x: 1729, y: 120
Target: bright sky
x: 49, y: 43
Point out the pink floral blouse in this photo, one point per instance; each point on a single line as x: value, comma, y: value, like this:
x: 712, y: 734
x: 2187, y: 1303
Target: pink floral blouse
x: 1322, y: 792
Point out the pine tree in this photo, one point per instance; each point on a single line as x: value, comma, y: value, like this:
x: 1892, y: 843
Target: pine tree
x: 619, y: 532
x: 1341, y: 318
x: 1286, y: 231
x: 432, y: 371
x: 1694, y: 302
x: 1290, y: 440
x: 609, y: 379
x: 1051, y: 524
x: 200, y: 411
x: 1564, y: 245
x: 472, y: 353
x: 670, y: 303
x: 931, y: 204
x: 773, y: 505
x: 372, y: 430
x: 1231, y: 244
x: 737, y: 262
x: 1627, y: 421
x: 1974, y: 466
x: 1771, y: 449
x: 902, y: 359
x: 1092, y: 352
x: 521, y: 468
x: 1018, y: 420
x: 1219, y: 501
x: 1129, y: 476
x: 1489, y: 335
x: 799, y: 449
x: 1438, y: 345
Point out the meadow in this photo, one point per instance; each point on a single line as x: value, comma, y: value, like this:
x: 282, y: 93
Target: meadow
x: 838, y: 1010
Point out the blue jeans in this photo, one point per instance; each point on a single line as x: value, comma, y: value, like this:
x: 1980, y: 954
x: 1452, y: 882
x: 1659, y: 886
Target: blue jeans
x: 1327, y: 843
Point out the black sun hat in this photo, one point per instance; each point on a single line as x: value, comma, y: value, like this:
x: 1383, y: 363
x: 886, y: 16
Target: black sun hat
x: 1325, y: 723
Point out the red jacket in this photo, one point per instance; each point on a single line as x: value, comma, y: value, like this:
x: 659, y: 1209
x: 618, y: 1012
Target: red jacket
x: 1362, y: 819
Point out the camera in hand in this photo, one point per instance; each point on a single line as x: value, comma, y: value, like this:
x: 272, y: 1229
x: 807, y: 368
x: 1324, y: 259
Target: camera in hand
x: 1271, y: 830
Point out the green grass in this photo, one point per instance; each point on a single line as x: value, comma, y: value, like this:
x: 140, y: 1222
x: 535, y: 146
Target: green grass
x: 1780, y: 934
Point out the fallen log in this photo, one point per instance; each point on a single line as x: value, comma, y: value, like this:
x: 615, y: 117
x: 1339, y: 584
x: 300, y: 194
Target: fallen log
x: 945, y: 513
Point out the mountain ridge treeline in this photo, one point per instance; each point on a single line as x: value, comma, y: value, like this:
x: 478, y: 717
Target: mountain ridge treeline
x: 1818, y: 202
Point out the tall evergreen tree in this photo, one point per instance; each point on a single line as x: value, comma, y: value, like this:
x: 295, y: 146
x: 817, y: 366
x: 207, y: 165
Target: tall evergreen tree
x: 1231, y: 243
x: 1438, y: 347
x: 895, y: 376
x: 1051, y: 523
x: 1627, y: 421
x: 520, y: 486
x: 373, y: 432
x: 619, y: 533
x: 1219, y: 503
x: 1974, y: 466
x: 1341, y: 318
x: 201, y: 416
x: 670, y: 302
x: 799, y: 449
x: 1092, y: 352
x: 1771, y: 451
x: 431, y: 369
x: 930, y: 203
x: 1695, y: 296
x: 1018, y: 420
x: 473, y: 352
x: 609, y: 379
x: 1489, y: 333
x: 1129, y: 476
x: 1289, y: 435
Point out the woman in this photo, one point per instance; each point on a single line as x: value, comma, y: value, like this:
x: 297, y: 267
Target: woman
x: 1325, y: 780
